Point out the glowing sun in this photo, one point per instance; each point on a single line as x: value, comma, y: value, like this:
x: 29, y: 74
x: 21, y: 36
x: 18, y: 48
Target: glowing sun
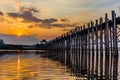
x: 19, y: 34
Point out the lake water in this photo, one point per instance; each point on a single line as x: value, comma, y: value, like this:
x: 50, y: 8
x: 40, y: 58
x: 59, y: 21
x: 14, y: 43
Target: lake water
x: 31, y: 66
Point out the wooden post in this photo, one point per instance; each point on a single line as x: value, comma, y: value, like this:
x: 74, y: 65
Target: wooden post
x: 101, y: 49
x: 111, y: 52
x: 79, y: 51
x: 92, y: 25
x: 115, y: 47
x: 68, y: 49
x: 96, y: 50
x: 84, y: 54
x: 88, y: 51
x: 106, y: 49
x: 71, y: 50
x: 74, y: 53
x: 82, y: 50
x: 85, y: 49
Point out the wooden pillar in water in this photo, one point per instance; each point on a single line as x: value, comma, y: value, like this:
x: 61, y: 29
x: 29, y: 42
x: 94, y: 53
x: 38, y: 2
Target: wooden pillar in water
x: 96, y: 49
x: 106, y: 49
x: 60, y: 50
x: 64, y: 49
x: 82, y: 50
x: 79, y: 50
x: 88, y: 51
x: 111, y: 51
x: 70, y: 51
x: 115, y: 47
x: 101, y: 49
x: 92, y: 25
x: 74, y: 51
x: 85, y: 49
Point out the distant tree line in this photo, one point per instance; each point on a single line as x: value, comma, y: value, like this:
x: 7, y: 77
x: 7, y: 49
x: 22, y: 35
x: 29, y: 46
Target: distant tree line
x: 37, y: 46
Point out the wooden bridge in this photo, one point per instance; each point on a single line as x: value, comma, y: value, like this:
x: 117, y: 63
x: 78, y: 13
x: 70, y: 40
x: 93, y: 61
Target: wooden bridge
x: 90, y: 50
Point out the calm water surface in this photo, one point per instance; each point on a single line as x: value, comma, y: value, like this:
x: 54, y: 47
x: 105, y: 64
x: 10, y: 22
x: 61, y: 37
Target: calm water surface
x: 31, y: 66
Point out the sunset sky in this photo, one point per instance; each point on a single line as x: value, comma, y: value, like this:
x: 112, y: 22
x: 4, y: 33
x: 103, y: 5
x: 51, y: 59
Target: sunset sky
x: 29, y: 21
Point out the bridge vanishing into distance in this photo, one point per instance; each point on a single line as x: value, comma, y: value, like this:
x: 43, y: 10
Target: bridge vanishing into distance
x: 89, y: 50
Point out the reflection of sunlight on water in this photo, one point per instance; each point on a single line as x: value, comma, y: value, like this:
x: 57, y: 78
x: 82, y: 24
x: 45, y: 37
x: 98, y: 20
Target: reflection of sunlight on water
x: 29, y: 66
x: 18, y: 66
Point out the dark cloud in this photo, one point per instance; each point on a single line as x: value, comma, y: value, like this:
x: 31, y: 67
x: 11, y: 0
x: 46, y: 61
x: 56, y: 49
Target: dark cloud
x: 65, y: 25
x: 57, y: 25
x: 52, y: 20
x: 65, y: 29
x: 31, y: 26
x: 44, y: 23
x: 24, y: 9
x: 65, y: 20
x: 1, y: 13
x: 27, y: 16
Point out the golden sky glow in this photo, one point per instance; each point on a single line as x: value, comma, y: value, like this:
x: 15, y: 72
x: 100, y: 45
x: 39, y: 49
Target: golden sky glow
x: 46, y: 19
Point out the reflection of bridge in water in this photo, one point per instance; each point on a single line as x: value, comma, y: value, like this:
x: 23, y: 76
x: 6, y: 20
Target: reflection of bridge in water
x: 90, y: 51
